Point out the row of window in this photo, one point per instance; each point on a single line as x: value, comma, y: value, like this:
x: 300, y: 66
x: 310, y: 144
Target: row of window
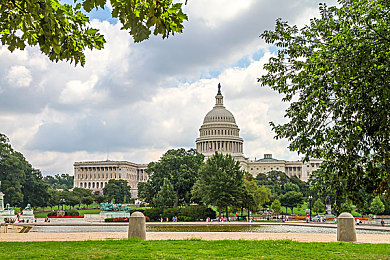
x: 265, y: 168
x: 219, y: 132
x: 221, y: 118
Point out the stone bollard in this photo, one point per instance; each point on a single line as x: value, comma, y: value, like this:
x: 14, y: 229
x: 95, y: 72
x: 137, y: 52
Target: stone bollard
x: 137, y: 225
x: 346, y: 228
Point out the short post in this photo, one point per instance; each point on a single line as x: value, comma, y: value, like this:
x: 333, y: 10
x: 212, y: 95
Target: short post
x: 137, y: 225
x: 346, y: 230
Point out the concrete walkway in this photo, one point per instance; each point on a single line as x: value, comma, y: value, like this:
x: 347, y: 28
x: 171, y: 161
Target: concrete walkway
x: 76, y: 222
x: 79, y: 236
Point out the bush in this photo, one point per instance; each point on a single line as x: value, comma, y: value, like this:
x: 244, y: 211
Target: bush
x: 198, y: 212
x: 52, y: 214
x: 116, y: 220
x: 72, y: 213
x: 184, y: 218
x: 154, y: 213
x: 189, y: 213
x: 171, y: 212
x: 136, y: 209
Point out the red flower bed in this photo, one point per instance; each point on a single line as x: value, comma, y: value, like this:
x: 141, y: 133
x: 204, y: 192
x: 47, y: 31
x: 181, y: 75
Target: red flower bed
x: 66, y: 217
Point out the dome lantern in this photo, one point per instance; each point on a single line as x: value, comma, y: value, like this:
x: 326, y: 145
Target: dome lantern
x: 219, y: 97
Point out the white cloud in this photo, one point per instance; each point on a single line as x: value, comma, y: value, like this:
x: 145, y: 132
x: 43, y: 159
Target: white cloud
x: 142, y: 99
x: 215, y: 13
x: 19, y: 76
x: 77, y: 92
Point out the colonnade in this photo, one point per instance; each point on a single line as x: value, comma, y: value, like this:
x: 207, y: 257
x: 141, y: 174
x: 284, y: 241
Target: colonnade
x: 93, y: 173
x: 221, y: 146
x: 225, y: 132
x: 92, y: 185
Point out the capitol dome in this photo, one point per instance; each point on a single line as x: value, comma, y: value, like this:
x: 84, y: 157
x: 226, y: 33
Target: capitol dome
x: 219, y: 131
x: 219, y: 114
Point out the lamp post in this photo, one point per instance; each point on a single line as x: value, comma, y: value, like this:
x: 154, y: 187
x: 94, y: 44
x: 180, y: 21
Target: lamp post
x: 310, y: 198
x: 62, y: 201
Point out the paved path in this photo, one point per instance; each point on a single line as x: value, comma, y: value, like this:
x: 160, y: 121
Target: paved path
x: 79, y: 236
x: 71, y: 222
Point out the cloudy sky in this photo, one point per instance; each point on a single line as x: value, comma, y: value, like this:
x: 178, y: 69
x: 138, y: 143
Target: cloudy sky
x: 136, y: 101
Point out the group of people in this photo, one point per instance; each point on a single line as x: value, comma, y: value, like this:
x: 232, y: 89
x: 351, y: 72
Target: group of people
x: 174, y: 219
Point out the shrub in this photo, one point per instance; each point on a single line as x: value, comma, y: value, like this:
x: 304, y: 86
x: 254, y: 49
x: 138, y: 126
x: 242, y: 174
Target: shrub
x: 198, y: 212
x: 136, y: 209
x: 52, y: 214
x: 72, y: 213
x: 184, y: 218
x: 171, y: 212
x: 154, y: 213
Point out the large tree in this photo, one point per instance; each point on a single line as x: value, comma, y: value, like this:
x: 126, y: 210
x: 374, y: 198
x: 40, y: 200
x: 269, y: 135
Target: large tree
x: 318, y: 206
x: 63, y: 31
x: 117, y: 190
x: 165, y: 197
x: 254, y: 197
x: 334, y: 73
x: 21, y: 183
x: 180, y: 167
x: 59, y: 181
x: 377, y: 206
x: 291, y: 199
x: 220, y: 182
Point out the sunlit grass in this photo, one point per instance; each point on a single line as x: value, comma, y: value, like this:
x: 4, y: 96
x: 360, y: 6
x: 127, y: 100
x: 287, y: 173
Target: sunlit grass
x: 192, y: 249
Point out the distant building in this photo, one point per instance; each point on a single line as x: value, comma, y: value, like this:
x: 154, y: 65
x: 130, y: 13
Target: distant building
x: 94, y: 175
x: 219, y: 132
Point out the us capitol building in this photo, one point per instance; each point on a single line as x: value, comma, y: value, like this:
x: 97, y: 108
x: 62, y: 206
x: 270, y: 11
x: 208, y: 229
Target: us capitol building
x: 218, y: 133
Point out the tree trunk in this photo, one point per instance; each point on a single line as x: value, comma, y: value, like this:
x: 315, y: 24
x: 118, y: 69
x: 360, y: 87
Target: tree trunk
x: 220, y: 212
x: 177, y: 199
x: 292, y: 210
x: 227, y: 213
x: 242, y: 211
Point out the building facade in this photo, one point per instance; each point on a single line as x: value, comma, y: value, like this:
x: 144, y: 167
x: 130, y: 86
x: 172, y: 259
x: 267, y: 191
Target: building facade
x: 94, y: 175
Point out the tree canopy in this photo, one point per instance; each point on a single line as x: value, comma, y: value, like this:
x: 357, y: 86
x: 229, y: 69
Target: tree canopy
x: 20, y: 182
x: 117, y: 190
x: 180, y: 168
x: 291, y: 199
x: 63, y: 32
x: 59, y: 181
x: 334, y: 74
x: 220, y: 182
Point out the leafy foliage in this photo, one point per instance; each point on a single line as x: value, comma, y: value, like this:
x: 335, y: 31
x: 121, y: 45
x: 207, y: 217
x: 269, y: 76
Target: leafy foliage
x: 117, y: 190
x: 254, y: 197
x: 280, y: 183
x: 334, y: 73
x: 62, y: 31
x: 291, y: 199
x: 220, y: 182
x: 377, y: 206
x: 165, y: 197
x: 21, y: 183
x: 180, y: 167
x: 318, y: 206
x: 276, y: 206
x: 59, y: 181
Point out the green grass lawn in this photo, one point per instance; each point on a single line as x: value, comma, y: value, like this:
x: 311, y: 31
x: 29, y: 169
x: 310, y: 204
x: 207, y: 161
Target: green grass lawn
x: 191, y: 249
x: 81, y: 212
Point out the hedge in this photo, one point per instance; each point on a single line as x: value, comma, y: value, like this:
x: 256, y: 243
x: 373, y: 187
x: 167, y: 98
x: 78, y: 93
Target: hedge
x: 189, y: 213
x: 70, y: 213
